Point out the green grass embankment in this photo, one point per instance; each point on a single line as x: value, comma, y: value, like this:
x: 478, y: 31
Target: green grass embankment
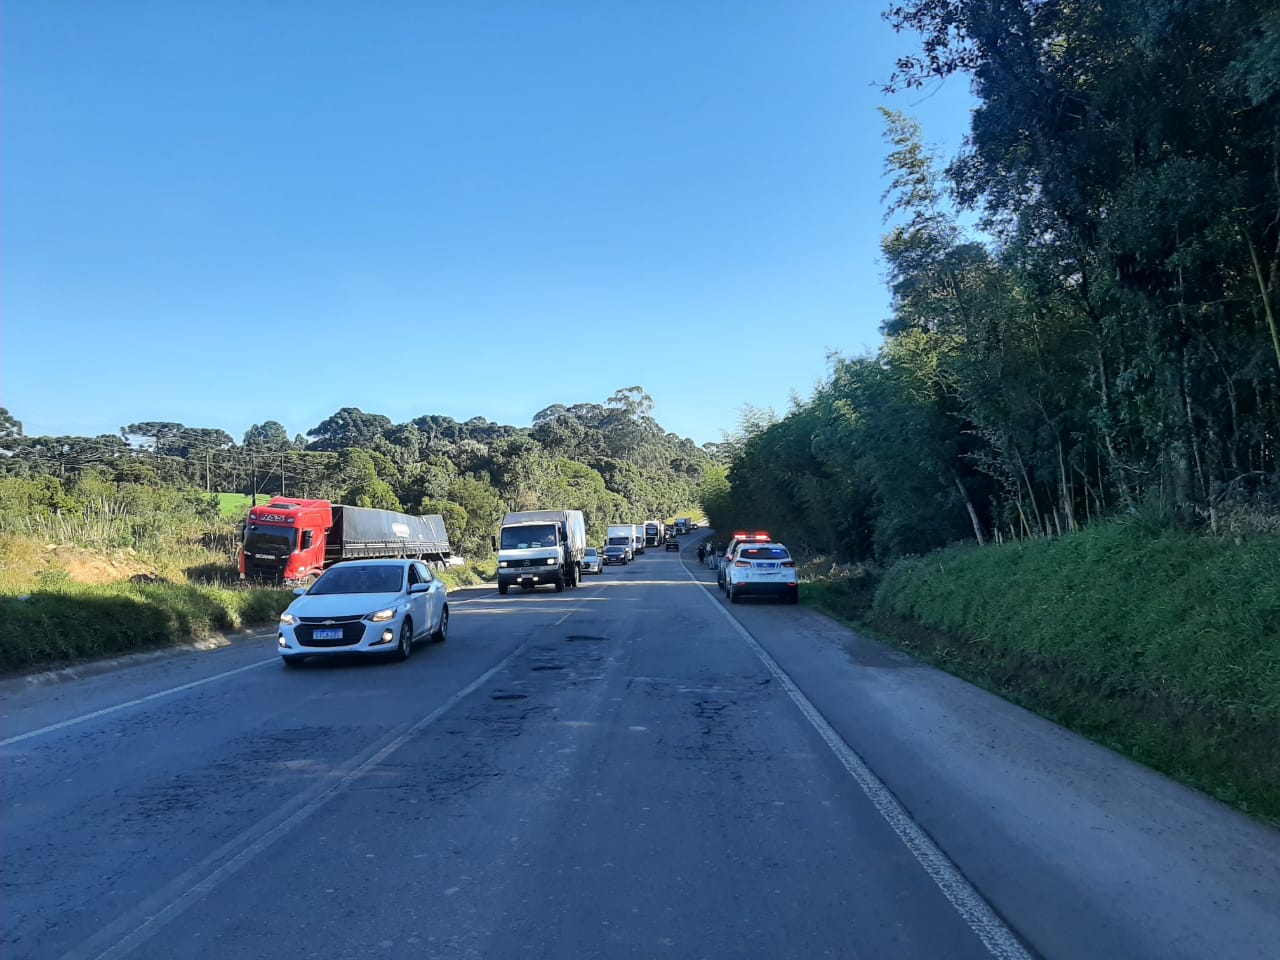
x: 1163, y: 645
x: 61, y: 603
x: 64, y: 622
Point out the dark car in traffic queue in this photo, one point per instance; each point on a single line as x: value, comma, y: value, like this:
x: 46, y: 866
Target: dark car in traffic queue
x: 615, y: 553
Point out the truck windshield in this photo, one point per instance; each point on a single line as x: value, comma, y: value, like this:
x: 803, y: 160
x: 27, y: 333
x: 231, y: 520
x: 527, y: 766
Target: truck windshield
x: 529, y: 535
x: 651, y: 530
x: 261, y: 540
x: 619, y: 541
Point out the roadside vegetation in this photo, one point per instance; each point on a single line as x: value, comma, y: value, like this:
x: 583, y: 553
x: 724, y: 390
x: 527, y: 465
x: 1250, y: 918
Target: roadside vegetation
x: 115, y: 543
x: 1085, y: 389
x: 90, y: 568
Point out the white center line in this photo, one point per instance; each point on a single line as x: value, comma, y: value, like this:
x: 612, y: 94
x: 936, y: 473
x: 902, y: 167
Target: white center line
x: 129, y: 931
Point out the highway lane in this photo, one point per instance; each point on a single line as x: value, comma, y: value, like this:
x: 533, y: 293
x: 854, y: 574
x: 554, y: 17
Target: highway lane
x: 615, y: 771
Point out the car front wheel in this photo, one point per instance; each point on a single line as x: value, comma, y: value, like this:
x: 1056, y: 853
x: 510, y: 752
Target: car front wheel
x: 404, y: 649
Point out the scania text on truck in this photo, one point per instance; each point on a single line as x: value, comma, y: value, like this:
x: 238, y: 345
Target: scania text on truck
x: 293, y: 539
x: 621, y: 535
x: 654, y: 533
x: 541, y: 546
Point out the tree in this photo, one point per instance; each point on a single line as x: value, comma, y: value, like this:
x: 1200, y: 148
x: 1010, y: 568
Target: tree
x: 10, y: 428
x: 268, y: 437
x: 373, y: 493
x: 349, y: 427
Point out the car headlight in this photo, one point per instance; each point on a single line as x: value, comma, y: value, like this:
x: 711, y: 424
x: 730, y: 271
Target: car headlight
x: 381, y: 616
x: 288, y: 618
x: 502, y: 563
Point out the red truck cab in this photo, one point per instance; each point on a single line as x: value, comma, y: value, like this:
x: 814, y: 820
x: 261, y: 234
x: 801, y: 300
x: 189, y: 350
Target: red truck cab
x: 285, y: 539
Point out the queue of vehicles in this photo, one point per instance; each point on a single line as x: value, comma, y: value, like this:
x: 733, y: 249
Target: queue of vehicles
x: 369, y: 584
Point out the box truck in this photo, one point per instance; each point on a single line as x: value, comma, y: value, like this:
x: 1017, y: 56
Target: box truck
x: 540, y: 546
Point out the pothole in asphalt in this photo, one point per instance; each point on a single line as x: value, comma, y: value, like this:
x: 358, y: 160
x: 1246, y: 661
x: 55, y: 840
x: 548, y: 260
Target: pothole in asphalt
x: 711, y: 708
x: 582, y: 636
x: 509, y: 696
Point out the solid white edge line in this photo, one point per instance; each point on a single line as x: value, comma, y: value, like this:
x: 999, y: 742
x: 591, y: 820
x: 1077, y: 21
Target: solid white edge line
x: 132, y: 703
x: 191, y: 890
x: 155, y: 696
x: 994, y: 933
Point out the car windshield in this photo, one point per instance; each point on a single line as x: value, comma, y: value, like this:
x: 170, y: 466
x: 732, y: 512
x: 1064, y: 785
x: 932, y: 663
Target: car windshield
x: 529, y: 535
x: 591, y: 552
x: 360, y: 578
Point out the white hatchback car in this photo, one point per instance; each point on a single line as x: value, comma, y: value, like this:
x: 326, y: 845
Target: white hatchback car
x: 365, y: 606
x: 761, y: 569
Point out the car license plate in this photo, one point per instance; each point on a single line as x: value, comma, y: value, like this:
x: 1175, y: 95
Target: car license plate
x: 327, y: 635
x: 767, y: 566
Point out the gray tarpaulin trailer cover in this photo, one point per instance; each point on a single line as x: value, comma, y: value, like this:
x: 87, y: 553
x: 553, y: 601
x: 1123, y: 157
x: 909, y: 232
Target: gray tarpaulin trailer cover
x: 365, y: 532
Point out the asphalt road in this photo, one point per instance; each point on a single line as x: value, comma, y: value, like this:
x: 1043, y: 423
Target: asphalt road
x: 629, y: 769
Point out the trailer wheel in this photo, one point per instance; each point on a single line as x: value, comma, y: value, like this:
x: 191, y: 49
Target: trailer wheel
x: 573, y: 575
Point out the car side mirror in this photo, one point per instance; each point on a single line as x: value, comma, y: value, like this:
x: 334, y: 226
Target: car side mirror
x: 419, y: 587
x: 299, y: 591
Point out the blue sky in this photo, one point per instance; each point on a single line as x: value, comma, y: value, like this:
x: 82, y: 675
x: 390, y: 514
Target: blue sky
x: 226, y: 212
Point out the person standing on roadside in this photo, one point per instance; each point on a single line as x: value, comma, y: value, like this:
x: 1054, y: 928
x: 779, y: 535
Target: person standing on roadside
x: 702, y: 553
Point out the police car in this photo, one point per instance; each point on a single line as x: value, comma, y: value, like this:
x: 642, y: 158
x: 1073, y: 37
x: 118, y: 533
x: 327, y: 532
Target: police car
x: 758, y: 569
x: 738, y: 539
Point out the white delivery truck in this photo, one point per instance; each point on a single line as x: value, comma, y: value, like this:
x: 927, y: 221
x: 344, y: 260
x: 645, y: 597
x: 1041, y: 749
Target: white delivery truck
x: 541, y: 546
x: 622, y: 535
x: 654, y: 533
x: 637, y: 534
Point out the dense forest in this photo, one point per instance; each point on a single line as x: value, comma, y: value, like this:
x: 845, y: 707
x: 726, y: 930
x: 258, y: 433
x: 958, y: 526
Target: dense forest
x: 1084, y: 300
x: 612, y: 460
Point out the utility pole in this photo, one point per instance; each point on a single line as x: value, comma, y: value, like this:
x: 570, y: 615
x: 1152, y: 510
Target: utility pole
x: 208, y: 484
x: 282, y: 493
x: 254, y: 495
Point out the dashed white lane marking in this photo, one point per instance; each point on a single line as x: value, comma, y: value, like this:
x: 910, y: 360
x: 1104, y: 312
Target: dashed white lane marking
x: 130, y: 931
x: 133, y: 703
x: 999, y: 940
x: 158, y: 695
